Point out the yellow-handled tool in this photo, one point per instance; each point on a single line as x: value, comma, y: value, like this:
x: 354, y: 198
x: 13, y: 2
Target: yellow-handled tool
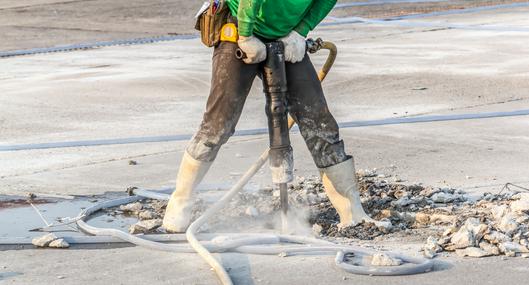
x: 228, y: 33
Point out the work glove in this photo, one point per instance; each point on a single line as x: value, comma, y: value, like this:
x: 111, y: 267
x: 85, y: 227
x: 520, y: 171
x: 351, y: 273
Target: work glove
x: 253, y: 48
x: 295, y: 47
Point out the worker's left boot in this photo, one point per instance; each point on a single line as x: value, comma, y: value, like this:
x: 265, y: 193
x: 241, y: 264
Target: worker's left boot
x: 178, y: 212
x: 341, y: 187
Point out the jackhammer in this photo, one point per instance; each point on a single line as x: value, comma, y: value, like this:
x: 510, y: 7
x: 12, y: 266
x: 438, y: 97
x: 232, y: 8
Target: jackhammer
x: 275, y: 88
x: 279, y: 122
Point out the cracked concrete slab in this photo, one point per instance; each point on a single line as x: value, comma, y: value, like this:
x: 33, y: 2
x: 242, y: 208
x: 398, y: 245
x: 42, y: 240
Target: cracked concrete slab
x: 382, y: 71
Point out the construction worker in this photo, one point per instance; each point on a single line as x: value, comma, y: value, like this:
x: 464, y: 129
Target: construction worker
x: 260, y: 21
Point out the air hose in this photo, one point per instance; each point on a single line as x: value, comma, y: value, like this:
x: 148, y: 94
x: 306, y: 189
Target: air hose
x: 247, y: 243
x: 252, y: 243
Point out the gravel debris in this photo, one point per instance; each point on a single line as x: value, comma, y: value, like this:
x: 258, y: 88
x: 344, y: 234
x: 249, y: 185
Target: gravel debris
x: 147, y: 215
x: 444, y: 219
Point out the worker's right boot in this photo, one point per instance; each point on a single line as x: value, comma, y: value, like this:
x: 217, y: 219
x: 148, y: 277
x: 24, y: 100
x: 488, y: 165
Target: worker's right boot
x: 178, y: 212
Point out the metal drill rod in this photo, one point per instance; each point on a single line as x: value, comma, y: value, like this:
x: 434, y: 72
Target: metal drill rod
x: 283, y: 198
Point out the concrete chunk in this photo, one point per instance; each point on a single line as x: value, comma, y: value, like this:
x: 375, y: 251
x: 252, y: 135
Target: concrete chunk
x: 382, y: 259
x: 521, y: 204
x: 44, y: 240
x: 145, y: 226
x: 147, y: 215
x: 131, y: 207
x: 59, y: 243
x: 472, y: 252
x: 511, y: 248
x: 490, y: 248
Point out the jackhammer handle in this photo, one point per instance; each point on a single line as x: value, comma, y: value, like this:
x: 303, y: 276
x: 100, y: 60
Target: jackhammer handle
x: 312, y: 47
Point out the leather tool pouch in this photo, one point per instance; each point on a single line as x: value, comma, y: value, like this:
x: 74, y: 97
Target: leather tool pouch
x: 210, y: 22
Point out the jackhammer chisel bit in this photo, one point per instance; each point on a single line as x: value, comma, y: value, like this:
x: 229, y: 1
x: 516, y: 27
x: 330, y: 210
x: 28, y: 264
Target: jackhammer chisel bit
x: 275, y: 89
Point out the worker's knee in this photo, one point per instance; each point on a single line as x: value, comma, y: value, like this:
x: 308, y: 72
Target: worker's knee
x: 326, y: 153
x: 204, y: 146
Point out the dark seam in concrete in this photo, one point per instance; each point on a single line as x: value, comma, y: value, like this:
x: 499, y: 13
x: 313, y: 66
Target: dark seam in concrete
x: 261, y: 131
x: 63, y: 48
x: 345, y: 20
x: 66, y: 29
x: 45, y: 4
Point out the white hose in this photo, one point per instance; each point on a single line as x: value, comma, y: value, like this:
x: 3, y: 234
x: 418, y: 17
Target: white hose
x: 195, y: 226
x: 246, y: 243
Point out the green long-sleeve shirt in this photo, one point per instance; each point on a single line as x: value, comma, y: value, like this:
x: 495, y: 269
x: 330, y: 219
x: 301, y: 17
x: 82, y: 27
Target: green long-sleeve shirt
x: 273, y: 19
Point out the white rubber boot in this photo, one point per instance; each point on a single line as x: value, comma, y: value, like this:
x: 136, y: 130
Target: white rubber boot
x: 178, y: 212
x: 341, y: 187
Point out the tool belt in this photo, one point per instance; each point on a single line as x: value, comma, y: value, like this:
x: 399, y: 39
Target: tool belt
x: 210, y: 21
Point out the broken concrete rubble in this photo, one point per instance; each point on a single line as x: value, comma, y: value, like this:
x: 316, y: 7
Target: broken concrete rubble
x: 446, y: 218
x: 480, y: 225
x: 498, y: 230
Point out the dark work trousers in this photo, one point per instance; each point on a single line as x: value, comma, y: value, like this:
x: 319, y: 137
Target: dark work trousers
x: 230, y: 84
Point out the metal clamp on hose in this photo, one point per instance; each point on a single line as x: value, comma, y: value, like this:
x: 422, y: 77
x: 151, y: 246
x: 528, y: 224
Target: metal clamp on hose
x: 239, y: 54
x: 315, y: 45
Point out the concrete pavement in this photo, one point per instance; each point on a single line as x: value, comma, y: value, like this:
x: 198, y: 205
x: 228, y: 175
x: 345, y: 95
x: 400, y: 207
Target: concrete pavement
x: 382, y: 71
